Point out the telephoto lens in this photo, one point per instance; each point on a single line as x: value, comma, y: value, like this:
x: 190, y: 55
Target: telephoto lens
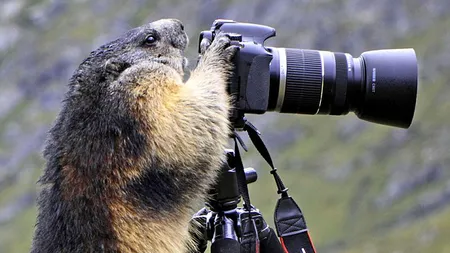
x: 379, y: 86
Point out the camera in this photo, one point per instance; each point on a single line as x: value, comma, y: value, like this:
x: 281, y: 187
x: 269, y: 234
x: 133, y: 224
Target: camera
x: 379, y: 86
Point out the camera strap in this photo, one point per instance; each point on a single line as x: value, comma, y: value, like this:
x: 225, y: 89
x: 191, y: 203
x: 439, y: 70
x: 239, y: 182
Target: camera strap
x: 250, y: 238
x: 289, y: 220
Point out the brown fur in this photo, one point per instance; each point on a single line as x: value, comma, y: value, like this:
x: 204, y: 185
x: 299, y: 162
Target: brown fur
x: 134, y: 148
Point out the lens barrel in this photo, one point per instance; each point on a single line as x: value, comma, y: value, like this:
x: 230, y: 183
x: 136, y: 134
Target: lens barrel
x: 379, y: 86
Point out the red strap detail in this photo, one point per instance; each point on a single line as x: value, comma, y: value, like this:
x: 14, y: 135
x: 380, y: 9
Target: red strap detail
x: 282, y: 245
x: 314, y: 247
x: 285, y: 249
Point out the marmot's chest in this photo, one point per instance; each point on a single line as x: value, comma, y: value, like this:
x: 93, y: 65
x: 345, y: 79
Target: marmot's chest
x: 161, y: 191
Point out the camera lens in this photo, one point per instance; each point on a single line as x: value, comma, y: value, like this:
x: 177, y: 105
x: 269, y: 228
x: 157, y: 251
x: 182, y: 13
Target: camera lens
x: 379, y: 86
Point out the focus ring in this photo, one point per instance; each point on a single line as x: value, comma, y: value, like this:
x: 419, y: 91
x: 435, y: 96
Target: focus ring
x: 340, y: 87
x: 303, y: 81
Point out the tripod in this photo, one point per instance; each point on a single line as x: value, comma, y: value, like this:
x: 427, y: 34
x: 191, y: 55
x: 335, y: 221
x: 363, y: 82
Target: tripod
x: 242, y: 229
x: 231, y: 228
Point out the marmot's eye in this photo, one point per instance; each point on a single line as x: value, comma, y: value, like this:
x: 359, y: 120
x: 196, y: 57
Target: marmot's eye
x: 150, y: 40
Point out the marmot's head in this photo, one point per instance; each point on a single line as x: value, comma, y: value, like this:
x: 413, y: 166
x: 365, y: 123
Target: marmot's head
x: 96, y: 115
x: 162, y: 41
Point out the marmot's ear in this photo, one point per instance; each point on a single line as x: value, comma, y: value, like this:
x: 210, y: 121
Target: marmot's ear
x: 113, y: 67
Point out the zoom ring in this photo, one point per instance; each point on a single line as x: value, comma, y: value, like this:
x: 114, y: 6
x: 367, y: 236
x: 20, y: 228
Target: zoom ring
x: 303, y: 82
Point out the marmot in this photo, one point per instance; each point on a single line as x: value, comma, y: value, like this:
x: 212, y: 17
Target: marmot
x: 134, y: 147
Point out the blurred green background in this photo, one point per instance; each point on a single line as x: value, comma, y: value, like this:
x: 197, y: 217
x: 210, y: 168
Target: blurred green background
x: 362, y: 187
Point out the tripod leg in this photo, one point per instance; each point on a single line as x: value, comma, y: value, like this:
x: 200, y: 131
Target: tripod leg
x: 226, y: 245
x: 269, y: 242
x: 225, y: 239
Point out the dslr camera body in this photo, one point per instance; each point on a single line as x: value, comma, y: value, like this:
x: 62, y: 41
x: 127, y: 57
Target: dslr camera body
x: 379, y: 86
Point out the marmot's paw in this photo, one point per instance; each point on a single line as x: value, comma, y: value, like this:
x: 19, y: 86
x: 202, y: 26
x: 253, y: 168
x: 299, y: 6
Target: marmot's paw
x: 220, y: 50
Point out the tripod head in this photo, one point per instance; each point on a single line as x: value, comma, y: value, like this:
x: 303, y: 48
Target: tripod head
x: 225, y: 196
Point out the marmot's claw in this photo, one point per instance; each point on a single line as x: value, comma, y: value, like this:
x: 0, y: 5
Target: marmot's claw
x: 221, y: 47
x: 204, y: 45
x: 231, y: 51
x: 221, y: 42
